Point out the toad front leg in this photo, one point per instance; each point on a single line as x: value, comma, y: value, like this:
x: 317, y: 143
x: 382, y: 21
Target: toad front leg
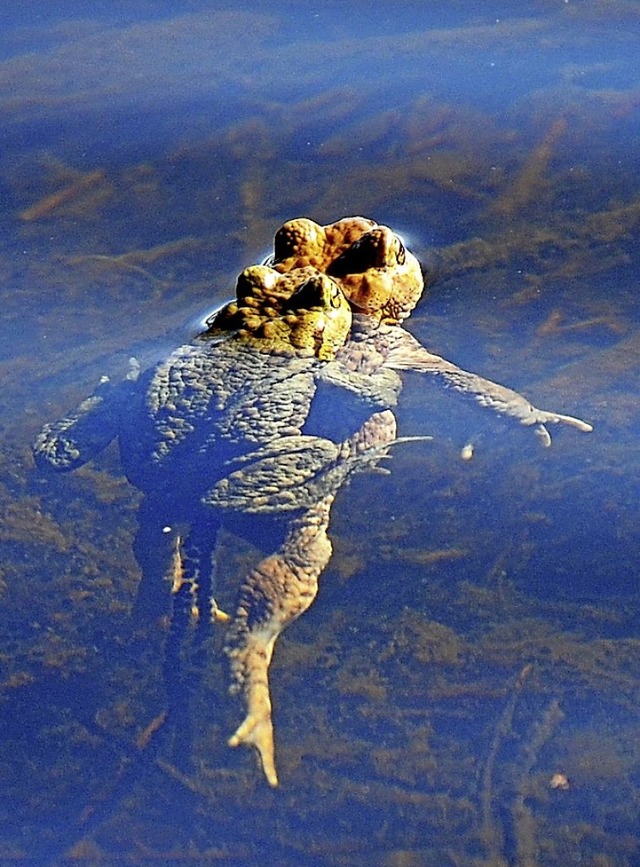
x: 277, y: 591
x: 403, y: 352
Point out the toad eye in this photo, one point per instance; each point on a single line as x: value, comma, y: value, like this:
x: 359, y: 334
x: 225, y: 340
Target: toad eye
x: 365, y: 253
x: 401, y: 253
x: 336, y: 298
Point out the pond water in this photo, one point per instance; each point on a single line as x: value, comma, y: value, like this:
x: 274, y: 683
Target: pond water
x: 464, y: 690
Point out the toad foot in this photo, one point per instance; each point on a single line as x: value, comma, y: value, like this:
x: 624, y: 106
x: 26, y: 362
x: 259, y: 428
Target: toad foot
x: 257, y: 731
x: 257, y: 728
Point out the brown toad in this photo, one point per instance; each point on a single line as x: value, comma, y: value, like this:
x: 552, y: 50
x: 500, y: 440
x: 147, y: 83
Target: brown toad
x: 264, y: 417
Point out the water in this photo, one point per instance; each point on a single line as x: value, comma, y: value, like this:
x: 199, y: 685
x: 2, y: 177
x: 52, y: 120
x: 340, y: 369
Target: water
x: 476, y: 630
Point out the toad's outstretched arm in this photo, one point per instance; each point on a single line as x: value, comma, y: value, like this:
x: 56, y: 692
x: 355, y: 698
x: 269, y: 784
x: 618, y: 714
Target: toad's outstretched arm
x: 71, y: 441
x: 405, y: 353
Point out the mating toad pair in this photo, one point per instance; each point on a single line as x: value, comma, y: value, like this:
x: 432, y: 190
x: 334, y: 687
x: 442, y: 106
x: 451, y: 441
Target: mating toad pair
x: 258, y: 423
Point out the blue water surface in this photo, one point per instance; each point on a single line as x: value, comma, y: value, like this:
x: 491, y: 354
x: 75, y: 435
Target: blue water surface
x: 464, y: 690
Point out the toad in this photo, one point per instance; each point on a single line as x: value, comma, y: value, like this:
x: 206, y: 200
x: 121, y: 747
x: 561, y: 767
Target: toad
x: 289, y: 391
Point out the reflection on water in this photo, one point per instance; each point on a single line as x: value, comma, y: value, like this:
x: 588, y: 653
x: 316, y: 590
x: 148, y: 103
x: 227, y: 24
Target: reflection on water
x: 477, y: 630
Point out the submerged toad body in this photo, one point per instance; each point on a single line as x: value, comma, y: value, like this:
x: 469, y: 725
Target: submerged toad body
x: 263, y: 418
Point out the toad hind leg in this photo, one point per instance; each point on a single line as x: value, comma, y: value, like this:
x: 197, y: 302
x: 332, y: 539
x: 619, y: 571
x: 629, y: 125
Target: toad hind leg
x: 277, y: 591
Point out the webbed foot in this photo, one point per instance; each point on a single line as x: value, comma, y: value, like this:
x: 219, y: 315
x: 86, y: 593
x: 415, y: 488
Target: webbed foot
x: 250, y: 665
x: 257, y: 731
